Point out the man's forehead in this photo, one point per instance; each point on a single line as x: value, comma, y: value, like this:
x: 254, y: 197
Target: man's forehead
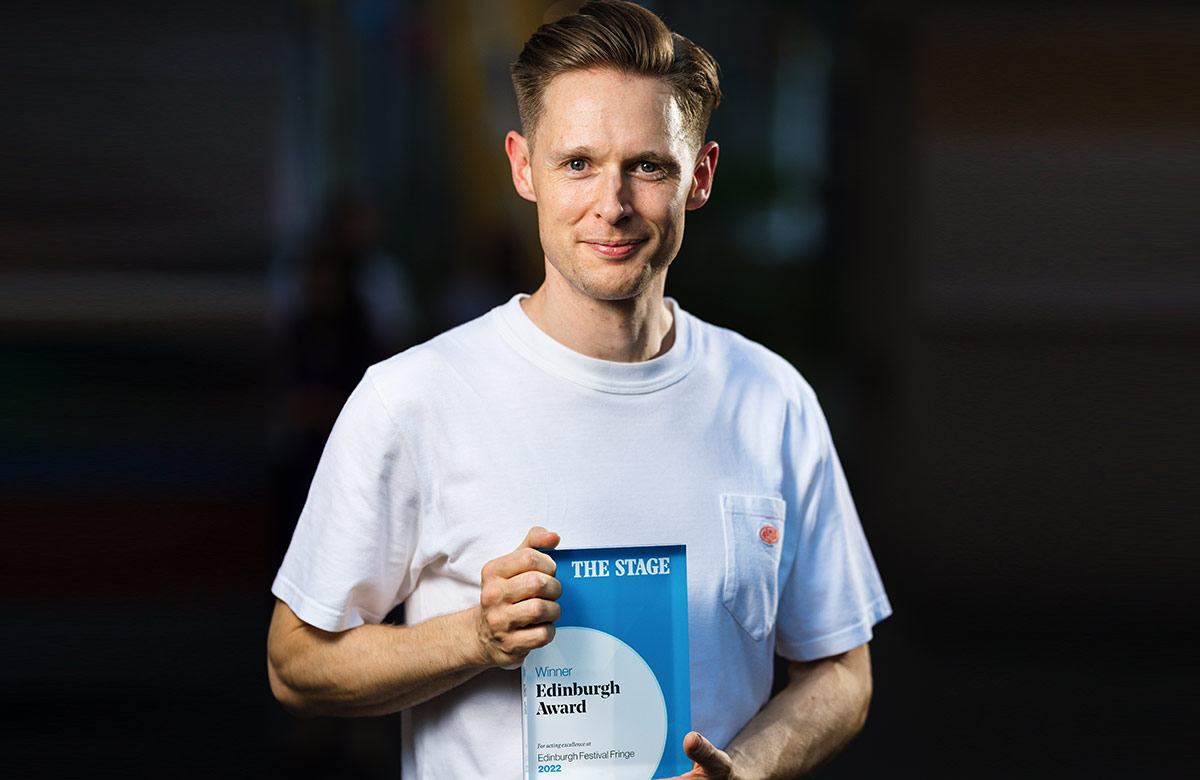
x: 590, y: 107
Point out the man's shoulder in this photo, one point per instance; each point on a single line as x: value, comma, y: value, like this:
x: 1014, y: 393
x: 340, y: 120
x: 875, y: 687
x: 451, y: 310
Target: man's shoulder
x: 432, y: 363
x: 724, y: 349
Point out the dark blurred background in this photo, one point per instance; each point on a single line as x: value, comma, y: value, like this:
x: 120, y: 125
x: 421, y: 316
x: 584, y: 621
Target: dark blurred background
x: 971, y: 226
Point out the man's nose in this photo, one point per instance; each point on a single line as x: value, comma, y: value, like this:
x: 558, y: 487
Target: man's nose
x: 612, y: 201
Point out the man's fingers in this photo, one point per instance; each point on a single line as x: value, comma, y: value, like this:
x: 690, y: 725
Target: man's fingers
x: 518, y: 644
x: 532, y: 585
x: 528, y: 586
x: 526, y: 557
x: 520, y: 560
x: 513, y: 617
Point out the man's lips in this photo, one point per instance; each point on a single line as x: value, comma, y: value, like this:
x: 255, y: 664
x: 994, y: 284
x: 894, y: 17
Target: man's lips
x: 619, y: 248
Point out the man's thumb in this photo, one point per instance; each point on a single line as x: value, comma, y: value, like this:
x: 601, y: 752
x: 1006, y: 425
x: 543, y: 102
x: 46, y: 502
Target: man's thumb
x: 539, y: 537
x: 700, y: 750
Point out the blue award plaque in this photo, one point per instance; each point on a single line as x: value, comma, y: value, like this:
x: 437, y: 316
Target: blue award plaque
x: 611, y: 695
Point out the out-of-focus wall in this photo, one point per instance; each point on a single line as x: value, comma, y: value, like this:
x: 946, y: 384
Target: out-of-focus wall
x: 1023, y: 308
x: 137, y: 167
x: 1029, y: 281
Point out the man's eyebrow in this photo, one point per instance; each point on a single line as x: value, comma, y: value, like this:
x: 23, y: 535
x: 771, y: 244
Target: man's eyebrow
x: 666, y: 161
x: 578, y: 152
x: 588, y: 153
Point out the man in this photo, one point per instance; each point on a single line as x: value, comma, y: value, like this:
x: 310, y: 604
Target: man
x: 598, y: 408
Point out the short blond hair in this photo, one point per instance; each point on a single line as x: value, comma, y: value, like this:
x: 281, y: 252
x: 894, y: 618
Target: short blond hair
x: 624, y: 37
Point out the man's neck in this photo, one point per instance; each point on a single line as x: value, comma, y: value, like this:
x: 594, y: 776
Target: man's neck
x: 625, y: 331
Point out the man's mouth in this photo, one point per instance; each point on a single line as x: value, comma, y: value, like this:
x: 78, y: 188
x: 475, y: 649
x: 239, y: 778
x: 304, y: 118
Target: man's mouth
x: 615, y: 248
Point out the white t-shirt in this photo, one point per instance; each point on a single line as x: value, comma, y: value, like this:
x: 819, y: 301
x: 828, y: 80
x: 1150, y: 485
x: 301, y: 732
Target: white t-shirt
x: 446, y: 454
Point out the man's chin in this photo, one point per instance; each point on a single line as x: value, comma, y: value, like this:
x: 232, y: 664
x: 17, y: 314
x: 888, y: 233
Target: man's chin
x: 617, y: 289
x: 610, y: 281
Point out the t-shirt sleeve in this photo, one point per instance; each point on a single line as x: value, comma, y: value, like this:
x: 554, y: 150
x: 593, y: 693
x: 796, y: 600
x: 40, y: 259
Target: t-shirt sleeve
x: 350, y: 558
x: 833, y: 594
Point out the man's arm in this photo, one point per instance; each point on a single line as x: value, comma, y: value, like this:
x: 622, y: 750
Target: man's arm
x: 379, y: 669
x: 823, y: 706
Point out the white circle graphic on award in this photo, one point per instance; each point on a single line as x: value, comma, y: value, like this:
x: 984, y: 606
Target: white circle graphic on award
x: 627, y: 728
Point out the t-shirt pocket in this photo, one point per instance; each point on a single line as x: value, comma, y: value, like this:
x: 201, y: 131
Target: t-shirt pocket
x: 753, y: 544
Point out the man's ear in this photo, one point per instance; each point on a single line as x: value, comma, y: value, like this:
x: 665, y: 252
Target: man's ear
x: 518, y: 157
x: 702, y: 176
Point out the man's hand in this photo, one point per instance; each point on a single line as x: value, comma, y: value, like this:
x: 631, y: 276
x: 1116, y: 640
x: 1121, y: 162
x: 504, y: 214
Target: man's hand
x: 708, y: 763
x: 516, y: 600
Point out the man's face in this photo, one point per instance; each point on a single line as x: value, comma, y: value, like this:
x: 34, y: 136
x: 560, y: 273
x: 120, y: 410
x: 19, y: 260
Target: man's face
x: 612, y: 172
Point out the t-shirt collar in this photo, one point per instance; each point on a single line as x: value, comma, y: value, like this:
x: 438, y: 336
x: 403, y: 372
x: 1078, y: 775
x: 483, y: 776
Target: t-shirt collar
x: 604, y: 375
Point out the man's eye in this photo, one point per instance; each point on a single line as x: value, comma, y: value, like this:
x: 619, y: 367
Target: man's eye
x: 577, y: 165
x: 648, y: 167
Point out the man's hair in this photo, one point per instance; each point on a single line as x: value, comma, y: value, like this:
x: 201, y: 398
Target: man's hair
x: 619, y: 36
